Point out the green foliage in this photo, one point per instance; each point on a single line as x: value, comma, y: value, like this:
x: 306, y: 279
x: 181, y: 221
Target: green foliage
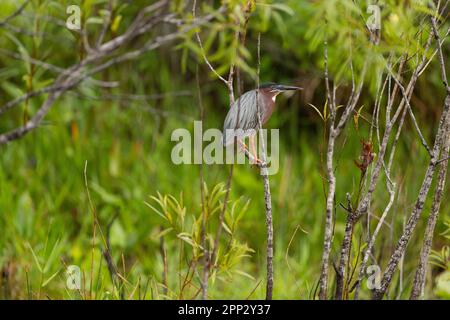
x: 185, y: 232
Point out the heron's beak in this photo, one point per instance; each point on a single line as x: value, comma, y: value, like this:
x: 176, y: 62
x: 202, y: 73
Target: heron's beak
x: 281, y: 87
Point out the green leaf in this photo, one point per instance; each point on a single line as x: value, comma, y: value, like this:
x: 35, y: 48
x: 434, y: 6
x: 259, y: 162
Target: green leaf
x: 284, y: 8
x: 187, y: 238
x: 245, y: 274
x: 156, y: 210
x: 163, y: 233
x: 107, y: 197
x: 116, y: 23
x: 317, y: 110
x: 52, y: 256
x: 50, y: 278
x: 36, y: 259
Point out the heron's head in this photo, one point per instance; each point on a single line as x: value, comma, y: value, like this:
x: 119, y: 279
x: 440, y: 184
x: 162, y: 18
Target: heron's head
x: 273, y: 89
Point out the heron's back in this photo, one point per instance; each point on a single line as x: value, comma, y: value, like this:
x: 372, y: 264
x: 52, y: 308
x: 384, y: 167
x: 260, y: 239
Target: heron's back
x: 242, y: 119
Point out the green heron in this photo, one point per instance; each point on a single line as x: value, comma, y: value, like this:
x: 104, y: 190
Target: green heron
x: 242, y: 118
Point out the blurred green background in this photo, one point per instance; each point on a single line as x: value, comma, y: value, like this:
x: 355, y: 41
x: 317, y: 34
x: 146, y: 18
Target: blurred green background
x: 123, y: 134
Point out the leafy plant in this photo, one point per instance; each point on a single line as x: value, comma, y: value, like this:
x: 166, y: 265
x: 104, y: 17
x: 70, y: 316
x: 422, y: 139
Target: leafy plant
x: 179, y: 228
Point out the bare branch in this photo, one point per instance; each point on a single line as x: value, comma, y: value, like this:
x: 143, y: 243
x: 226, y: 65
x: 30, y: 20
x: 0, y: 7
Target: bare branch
x: 413, y: 118
x: 351, y: 220
x: 328, y: 233
x: 441, y: 55
x: 419, y: 278
x: 73, y: 75
x: 267, y: 195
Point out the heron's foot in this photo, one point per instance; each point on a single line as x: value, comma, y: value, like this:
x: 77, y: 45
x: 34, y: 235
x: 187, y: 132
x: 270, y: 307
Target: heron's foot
x: 255, y: 161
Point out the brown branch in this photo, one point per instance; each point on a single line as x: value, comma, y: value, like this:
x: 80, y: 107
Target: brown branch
x: 391, y: 187
x: 351, y: 218
x: 107, y: 254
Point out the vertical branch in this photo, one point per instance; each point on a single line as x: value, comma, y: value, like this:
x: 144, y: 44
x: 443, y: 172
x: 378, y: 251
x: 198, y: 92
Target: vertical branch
x: 391, y: 187
x: 328, y: 234
x: 205, y: 275
x: 420, y: 275
x: 419, y: 278
x: 107, y: 254
x: 345, y: 251
x: 352, y: 218
x: 267, y: 195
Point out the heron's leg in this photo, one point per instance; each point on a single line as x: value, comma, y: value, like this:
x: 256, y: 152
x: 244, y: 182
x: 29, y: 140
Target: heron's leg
x: 242, y: 145
x: 253, y: 148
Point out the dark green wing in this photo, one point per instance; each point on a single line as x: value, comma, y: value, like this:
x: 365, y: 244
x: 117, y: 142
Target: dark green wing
x: 244, y: 109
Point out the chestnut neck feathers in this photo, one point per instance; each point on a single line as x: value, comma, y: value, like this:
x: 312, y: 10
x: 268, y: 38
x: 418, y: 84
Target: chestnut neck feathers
x: 267, y: 97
